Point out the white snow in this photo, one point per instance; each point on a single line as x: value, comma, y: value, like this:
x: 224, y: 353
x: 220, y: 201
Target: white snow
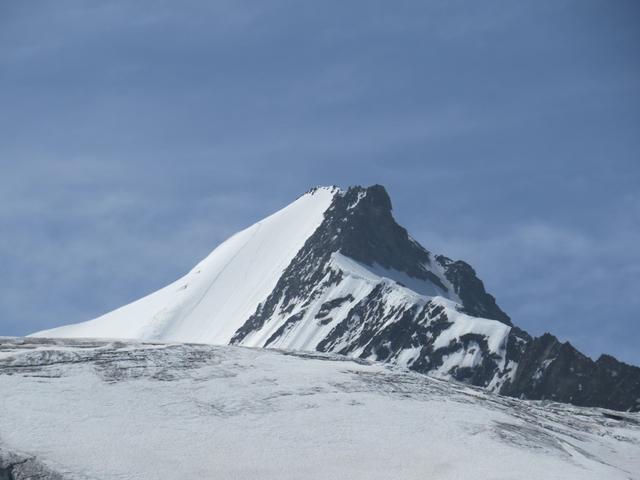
x: 134, y: 411
x: 376, y: 273
x: 541, y: 369
x: 407, y: 356
x: 213, y: 300
x: 496, y: 332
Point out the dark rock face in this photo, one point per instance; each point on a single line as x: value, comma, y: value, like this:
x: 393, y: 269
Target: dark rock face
x: 360, y: 226
x: 20, y: 467
x: 557, y: 371
x: 369, y: 233
x: 470, y: 289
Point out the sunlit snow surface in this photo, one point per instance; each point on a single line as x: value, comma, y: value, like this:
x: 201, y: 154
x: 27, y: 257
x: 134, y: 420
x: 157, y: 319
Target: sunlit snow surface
x: 113, y: 410
x: 220, y: 293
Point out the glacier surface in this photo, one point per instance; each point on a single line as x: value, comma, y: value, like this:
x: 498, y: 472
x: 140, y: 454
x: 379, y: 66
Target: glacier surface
x: 90, y: 409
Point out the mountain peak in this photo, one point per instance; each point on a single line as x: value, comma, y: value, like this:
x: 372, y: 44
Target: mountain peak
x: 334, y: 272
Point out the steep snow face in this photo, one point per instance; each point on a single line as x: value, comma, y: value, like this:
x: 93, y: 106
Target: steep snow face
x: 77, y: 409
x: 218, y: 295
x: 379, y: 314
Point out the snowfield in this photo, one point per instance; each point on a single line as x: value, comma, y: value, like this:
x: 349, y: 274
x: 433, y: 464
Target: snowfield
x: 88, y: 409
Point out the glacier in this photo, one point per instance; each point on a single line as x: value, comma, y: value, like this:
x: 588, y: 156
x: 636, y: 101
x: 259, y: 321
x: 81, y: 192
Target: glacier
x: 87, y: 409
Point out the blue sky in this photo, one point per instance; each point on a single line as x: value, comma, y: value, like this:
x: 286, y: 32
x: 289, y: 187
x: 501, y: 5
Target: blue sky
x: 136, y: 136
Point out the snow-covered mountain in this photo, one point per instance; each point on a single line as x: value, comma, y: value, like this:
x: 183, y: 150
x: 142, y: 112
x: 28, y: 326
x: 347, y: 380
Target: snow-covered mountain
x: 85, y: 409
x: 334, y: 272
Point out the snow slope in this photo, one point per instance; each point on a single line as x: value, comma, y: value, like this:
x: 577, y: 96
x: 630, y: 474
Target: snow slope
x: 217, y: 296
x: 99, y: 410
